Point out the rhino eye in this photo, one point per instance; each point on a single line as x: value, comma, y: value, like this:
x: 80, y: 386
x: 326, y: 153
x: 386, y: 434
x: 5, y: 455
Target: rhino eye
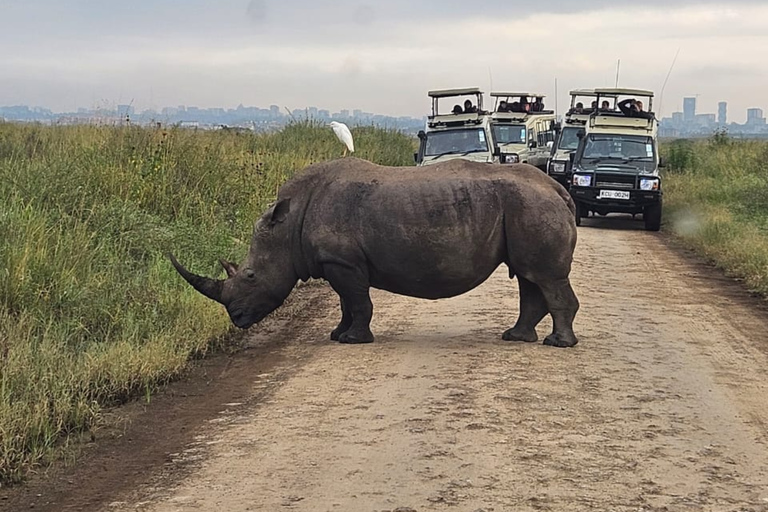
x: 249, y: 273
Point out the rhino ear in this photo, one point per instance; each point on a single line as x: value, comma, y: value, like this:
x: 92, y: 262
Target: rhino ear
x: 229, y: 267
x: 279, y: 211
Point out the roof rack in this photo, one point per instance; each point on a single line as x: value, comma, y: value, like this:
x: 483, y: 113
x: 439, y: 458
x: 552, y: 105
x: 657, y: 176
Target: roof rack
x: 436, y: 95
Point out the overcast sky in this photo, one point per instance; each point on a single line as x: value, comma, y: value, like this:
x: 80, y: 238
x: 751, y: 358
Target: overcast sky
x: 376, y: 56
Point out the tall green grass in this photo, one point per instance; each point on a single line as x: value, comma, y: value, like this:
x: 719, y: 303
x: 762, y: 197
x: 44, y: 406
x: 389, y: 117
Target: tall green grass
x: 716, y: 201
x: 91, y: 312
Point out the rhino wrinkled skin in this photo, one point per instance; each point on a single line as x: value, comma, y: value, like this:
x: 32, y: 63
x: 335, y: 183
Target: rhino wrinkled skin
x: 430, y: 232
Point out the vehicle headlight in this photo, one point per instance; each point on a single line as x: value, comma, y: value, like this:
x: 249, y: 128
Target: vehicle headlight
x: 582, y: 180
x: 649, y: 184
x: 558, y: 167
x: 512, y: 158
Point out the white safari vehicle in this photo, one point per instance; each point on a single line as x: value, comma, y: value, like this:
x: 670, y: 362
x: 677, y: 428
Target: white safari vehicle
x: 615, y: 167
x: 522, y: 128
x: 575, y: 121
x: 459, y: 130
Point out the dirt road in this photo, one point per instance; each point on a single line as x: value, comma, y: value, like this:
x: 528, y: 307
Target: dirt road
x: 662, y: 406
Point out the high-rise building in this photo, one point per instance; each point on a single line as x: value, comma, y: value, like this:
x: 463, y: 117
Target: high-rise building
x: 689, y: 109
x: 722, y: 113
x: 755, y: 116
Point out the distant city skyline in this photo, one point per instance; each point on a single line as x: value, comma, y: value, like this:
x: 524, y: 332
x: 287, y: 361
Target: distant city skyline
x: 248, y: 117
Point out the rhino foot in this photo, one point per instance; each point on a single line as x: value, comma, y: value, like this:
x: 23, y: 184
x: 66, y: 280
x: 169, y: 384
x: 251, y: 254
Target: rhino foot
x: 560, y: 340
x: 336, y: 334
x: 517, y: 334
x: 354, y: 338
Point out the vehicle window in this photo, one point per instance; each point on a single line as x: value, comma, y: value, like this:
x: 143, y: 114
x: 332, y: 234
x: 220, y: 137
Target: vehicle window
x: 509, y: 133
x: 620, y: 147
x: 569, y: 138
x: 456, y: 141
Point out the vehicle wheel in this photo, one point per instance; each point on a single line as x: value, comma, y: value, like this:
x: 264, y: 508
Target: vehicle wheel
x: 581, y: 213
x: 652, y: 217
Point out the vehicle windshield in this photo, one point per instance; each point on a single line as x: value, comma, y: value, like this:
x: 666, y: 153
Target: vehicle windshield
x: 509, y: 133
x: 469, y: 140
x: 569, y: 139
x: 619, y: 147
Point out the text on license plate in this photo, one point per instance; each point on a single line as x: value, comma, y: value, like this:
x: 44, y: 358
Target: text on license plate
x: 614, y: 194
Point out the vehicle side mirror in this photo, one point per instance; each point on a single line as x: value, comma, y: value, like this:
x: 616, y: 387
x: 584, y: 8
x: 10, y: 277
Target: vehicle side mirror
x: 416, y: 157
x: 550, y: 144
x: 580, y: 134
x: 421, y: 135
x: 571, y: 157
x: 497, y: 151
x: 532, y: 144
x: 662, y: 163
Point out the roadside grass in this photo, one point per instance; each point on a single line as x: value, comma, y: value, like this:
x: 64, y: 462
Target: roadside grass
x: 716, y: 202
x: 91, y: 312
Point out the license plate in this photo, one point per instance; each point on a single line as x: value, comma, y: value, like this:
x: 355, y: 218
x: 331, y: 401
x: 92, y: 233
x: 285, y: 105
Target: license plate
x: 614, y: 194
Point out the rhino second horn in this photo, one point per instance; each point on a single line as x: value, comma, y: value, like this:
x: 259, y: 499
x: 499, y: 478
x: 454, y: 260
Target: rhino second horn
x: 211, y: 288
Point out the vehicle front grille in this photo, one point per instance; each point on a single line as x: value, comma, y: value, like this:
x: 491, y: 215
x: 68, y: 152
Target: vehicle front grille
x: 626, y: 181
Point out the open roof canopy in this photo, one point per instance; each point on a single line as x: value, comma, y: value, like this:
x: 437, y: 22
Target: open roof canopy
x: 615, y: 91
x: 516, y: 94
x: 446, y: 93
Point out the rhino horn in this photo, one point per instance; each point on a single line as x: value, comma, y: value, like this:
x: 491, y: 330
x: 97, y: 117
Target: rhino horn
x: 211, y: 288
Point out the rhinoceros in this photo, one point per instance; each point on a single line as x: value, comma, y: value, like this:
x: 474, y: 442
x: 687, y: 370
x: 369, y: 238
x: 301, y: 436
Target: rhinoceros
x: 431, y: 232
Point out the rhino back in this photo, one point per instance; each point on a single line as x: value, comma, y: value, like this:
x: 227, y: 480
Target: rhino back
x: 430, y: 232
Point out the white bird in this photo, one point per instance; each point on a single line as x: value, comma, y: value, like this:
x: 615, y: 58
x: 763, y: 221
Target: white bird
x: 344, y: 135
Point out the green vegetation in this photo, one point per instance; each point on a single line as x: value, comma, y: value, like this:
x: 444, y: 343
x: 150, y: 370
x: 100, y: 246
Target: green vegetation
x: 716, y: 201
x: 91, y: 312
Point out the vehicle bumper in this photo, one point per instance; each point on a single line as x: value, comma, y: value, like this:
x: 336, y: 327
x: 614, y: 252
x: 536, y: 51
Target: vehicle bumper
x: 638, y: 199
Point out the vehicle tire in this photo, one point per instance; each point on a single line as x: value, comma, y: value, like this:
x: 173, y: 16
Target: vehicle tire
x: 652, y: 217
x: 581, y: 213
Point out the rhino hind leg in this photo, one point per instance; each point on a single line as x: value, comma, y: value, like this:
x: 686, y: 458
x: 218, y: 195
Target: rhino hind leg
x: 344, y: 324
x: 533, y: 307
x: 354, y: 290
x: 563, y: 305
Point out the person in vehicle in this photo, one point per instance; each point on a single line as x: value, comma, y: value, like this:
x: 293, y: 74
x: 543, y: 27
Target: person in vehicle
x: 503, y: 106
x: 515, y: 107
x: 629, y: 107
x: 605, y: 106
x: 633, y: 108
x: 579, y: 108
x: 537, y: 105
x: 457, y: 110
x: 469, y: 108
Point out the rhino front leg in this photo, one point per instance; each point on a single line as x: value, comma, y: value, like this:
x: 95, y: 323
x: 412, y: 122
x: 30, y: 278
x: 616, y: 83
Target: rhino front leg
x: 344, y: 325
x: 354, y: 289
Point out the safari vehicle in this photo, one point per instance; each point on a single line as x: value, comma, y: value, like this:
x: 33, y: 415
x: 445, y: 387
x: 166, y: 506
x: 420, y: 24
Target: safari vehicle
x: 456, y: 133
x: 567, y: 134
x: 521, y: 128
x: 616, y: 165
